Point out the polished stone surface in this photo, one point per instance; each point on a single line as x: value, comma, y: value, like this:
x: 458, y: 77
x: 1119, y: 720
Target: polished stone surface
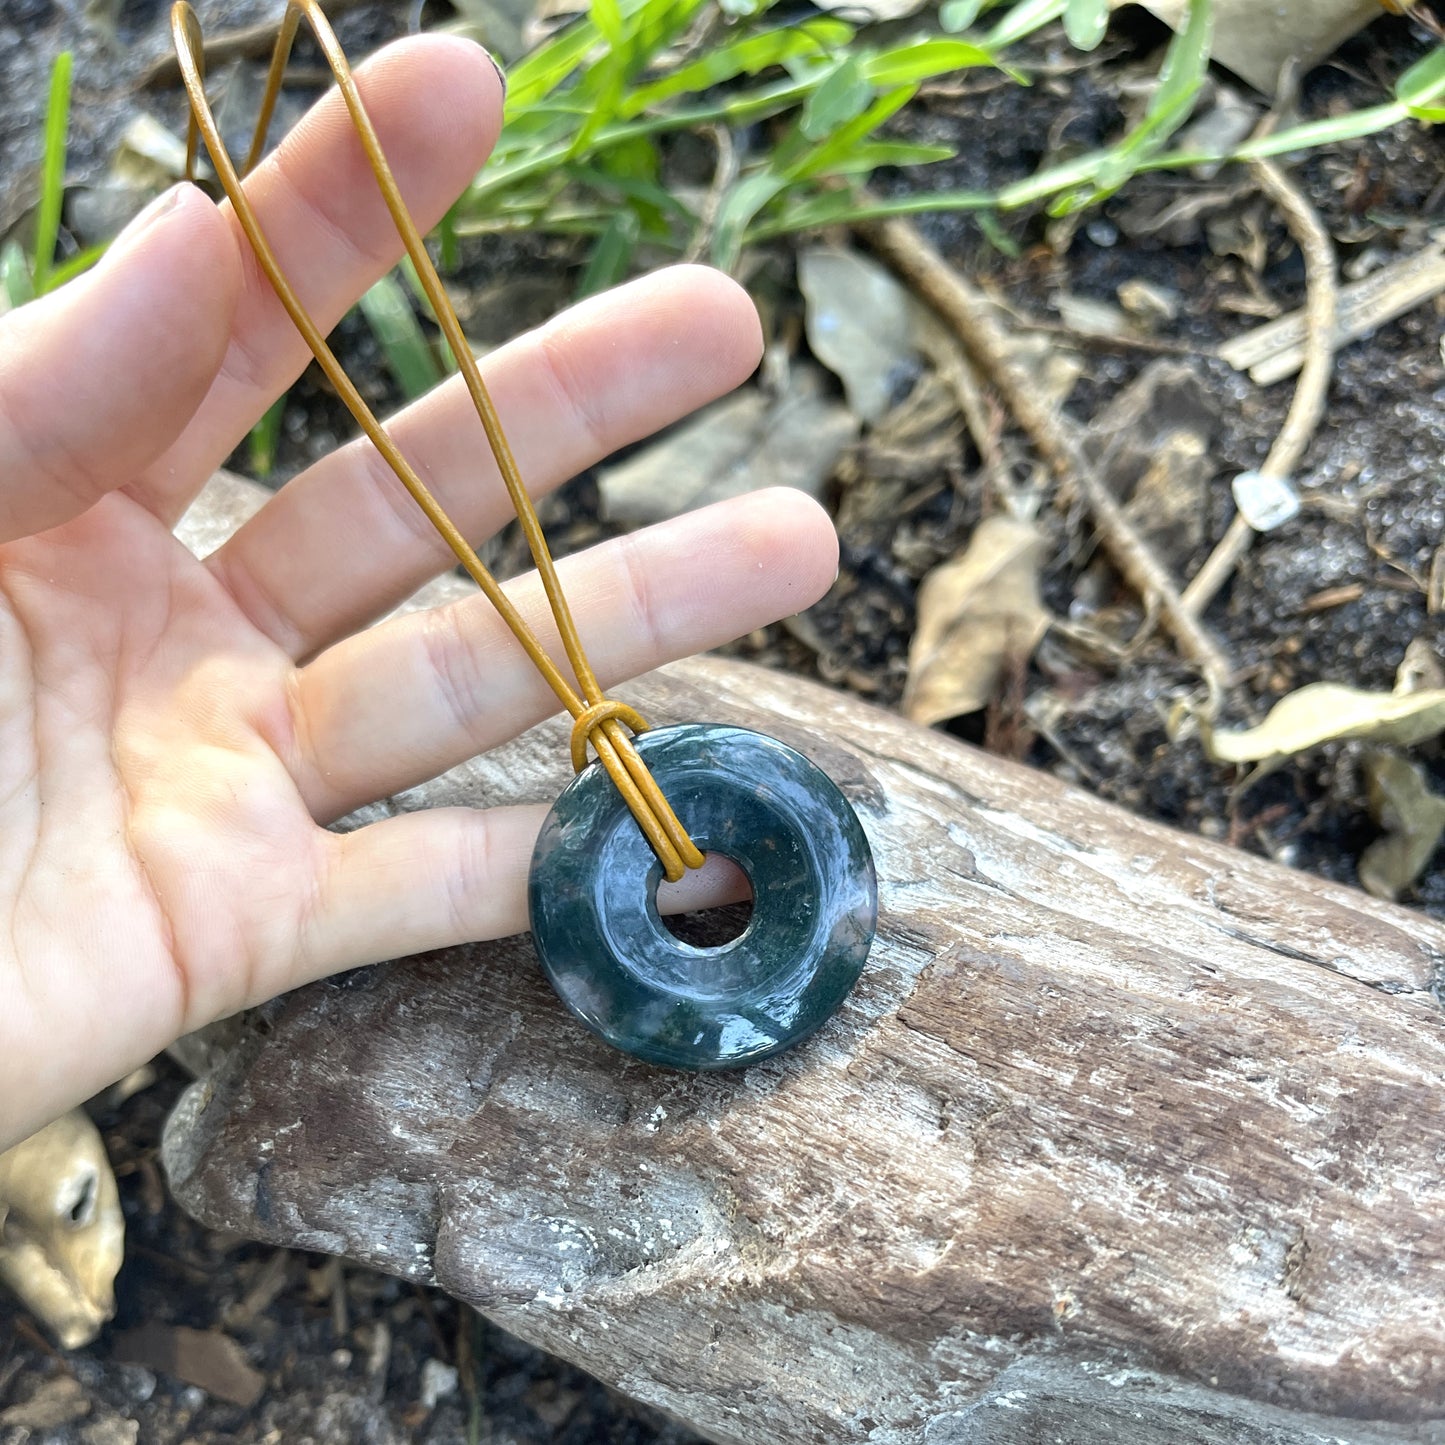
x: 614, y: 962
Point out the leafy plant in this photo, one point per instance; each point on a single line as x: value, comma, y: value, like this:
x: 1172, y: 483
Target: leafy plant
x: 805, y: 105
x: 1180, y: 79
x: 586, y: 113
x: 1419, y: 95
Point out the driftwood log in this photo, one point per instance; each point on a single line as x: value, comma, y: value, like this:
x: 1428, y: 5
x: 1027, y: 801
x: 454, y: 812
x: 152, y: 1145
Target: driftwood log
x: 1124, y: 1136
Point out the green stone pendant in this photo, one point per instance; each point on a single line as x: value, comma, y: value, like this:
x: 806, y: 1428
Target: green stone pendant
x: 616, y: 965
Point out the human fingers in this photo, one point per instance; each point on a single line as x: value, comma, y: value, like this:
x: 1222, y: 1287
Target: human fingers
x: 436, y: 102
x: 344, y: 543
x: 99, y: 378
x: 412, y: 697
x: 446, y: 876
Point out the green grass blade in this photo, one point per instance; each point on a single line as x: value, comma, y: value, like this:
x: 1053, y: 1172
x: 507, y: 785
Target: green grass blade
x: 1022, y: 21
x: 747, y: 56
x: 1085, y: 22
x: 643, y: 194
x: 868, y: 157
x: 607, y: 17
x: 1306, y: 136
x: 827, y: 155
x: 956, y: 15
x: 612, y: 255
x: 450, y: 255
x: 1180, y: 78
x: 1423, y: 82
x: 74, y: 266
x: 541, y: 72
x: 841, y: 97
x: 735, y: 215
x: 52, y: 171
x: 262, y: 439
x: 399, y: 334
x: 15, y: 278
x: 923, y: 59
x: 502, y: 175
x: 842, y: 207
x: 440, y: 348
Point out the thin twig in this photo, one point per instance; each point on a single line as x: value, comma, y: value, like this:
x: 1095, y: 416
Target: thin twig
x: 724, y: 174
x: 1111, y: 340
x: 982, y: 413
x: 1321, y: 317
x: 967, y: 312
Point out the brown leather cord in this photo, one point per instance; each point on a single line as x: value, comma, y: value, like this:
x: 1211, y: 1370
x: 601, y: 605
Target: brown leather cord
x: 598, y: 720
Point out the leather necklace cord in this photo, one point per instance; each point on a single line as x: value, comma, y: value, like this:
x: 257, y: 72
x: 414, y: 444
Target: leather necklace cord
x: 597, y: 720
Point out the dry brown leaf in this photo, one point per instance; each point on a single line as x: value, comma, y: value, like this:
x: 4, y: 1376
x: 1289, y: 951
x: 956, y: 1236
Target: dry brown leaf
x: 62, y: 1235
x: 861, y: 322
x: 1257, y: 39
x: 744, y: 442
x: 206, y: 1358
x: 1413, y: 818
x: 975, y: 614
x: 1326, y: 712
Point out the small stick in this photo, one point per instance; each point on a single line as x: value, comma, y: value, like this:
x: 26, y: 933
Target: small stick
x: 966, y: 312
x: 1276, y: 350
x: 1321, y: 317
x: 982, y: 413
x: 724, y: 174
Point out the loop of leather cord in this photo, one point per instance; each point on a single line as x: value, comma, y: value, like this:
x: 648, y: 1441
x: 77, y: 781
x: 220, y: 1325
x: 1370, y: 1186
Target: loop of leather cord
x: 590, y: 719
x: 598, y: 720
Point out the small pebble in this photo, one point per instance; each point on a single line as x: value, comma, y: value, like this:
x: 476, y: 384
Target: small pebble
x: 140, y: 1383
x: 438, y: 1381
x: 1265, y: 502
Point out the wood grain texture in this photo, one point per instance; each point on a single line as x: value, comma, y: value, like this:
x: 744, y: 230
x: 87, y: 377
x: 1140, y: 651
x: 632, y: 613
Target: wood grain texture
x: 1124, y: 1136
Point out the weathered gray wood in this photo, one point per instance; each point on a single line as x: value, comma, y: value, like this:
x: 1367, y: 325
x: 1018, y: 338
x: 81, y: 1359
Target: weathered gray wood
x: 1124, y: 1136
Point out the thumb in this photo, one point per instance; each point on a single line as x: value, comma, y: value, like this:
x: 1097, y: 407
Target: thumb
x: 98, y: 378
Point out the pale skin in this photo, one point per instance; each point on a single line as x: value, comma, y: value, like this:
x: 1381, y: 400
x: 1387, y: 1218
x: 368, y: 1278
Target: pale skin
x: 175, y: 734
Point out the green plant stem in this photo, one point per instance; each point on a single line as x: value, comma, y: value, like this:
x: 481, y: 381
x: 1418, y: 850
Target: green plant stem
x: 741, y: 110
x: 52, y: 173
x: 1048, y: 183
x: 1023, y: 20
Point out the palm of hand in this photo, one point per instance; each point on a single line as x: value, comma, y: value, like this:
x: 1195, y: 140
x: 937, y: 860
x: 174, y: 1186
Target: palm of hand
x: 158, y: 846
x: 174, y: 732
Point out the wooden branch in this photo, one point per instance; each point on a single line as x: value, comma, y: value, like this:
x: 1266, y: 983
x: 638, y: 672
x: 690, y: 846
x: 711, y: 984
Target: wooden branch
x: 1307, y: 407
x: 1124, y: 1136
x: 965, y: 311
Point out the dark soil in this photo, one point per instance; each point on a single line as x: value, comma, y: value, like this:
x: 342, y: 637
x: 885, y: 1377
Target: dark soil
x: 1337, y: 594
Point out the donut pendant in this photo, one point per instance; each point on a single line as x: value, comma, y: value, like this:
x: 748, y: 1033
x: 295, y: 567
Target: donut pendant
x: 617, y: 967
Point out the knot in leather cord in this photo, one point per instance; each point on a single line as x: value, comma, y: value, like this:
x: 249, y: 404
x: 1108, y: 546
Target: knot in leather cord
x: 587, y: 723
x: 599, y: 721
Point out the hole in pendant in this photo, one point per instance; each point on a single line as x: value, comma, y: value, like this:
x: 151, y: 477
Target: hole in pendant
x: 709, y: 908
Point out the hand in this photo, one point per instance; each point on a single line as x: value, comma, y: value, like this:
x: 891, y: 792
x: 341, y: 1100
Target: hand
x: 175, y: 734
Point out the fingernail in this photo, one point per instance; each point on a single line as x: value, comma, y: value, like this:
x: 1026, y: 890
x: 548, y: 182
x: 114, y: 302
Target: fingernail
x: 144, y: 220
x: 501, y: 74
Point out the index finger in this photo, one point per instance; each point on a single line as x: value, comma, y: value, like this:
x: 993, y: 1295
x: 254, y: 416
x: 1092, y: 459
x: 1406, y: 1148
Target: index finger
x: 436, y: 103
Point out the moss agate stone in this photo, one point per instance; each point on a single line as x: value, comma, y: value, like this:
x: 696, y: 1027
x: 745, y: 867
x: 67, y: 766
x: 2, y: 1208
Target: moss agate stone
x: 616, y: 965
